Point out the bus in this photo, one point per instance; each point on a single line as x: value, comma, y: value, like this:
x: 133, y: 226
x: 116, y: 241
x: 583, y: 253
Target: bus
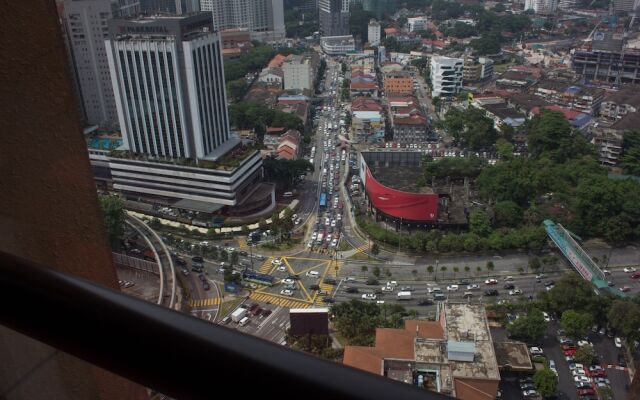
x: 323, y: 199
x: 257, y: 277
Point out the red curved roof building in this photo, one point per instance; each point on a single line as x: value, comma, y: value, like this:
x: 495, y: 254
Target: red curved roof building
x: 419, y: 207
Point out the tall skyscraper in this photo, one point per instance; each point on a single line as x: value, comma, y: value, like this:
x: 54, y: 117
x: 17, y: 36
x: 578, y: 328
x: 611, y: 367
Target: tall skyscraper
x: 544, y: 7
x: 168, y: 80
x: 86, y: 27
x: 170, y: 6
x: 334, y: 17
x: 263, y: 18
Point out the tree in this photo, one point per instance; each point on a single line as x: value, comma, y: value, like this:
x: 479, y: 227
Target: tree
x: 479, y: 223
x: 529, y: 328
x: 546, y: 382
x: 430, y: 270
x: 504, y: 149
x: 507, y: 214
x: 387, y: 272
x: 224, y: 256
x: 490, y: 267
x: 624, y: 317
x: 236, y: 89
x: 478, y: 270
x: 456, y: 269
x: 113, y: 211
x: 606, y: 393
x: 470, y: 128
x: 375, y: 249
x: 376, y: 271
x: 443, y: 269
x: 414, y: 272
x: 534, y: 264
x: 364, y: 270
x: 487, y: 44
x: 576, y: 324
x: 262, y: 225
x: 584, y: 355
x: 466, y: 270
x: 233, y: 259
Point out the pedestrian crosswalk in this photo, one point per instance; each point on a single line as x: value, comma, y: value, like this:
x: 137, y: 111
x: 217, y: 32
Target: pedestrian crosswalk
x: 265, y: 268
x: 279, y: 300
x: 205, y: 302
x: 242, y: 243
x: 362, y: 248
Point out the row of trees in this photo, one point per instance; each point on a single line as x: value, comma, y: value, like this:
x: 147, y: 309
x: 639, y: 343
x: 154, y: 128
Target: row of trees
x: 561, y: 179
x: 630, y: 160
x: 284, y: 173
x: 469, y: 128
x: 256, y: 116
x: 357, y: 321
x: 529, y: 237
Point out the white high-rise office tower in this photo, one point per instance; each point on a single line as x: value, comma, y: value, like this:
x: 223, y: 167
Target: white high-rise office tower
x: 263, y: 18
x: 334, y: 17
x: 446, y: 75
x: 168, y: 80
x: 86, y: 28
x: 373, y: 32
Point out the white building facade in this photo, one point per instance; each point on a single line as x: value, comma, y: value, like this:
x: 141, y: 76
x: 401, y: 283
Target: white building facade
x: 417, y: 23
x: 298, y: 73
x: 86, y: 27
x: 168, y: 78
x: 263, y: 18
x: 544, y: 7
x: 374, y: 33
x: 446, y: 75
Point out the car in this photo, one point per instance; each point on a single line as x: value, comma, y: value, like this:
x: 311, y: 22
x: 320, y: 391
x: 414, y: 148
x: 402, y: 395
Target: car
x: 185, y: 272
x: 606, y: 271
x: 529, y: 393
x: 328, y: 300
x: 491, y: 281
x: 508, y: 278
x: 369, y: 296
x: 635, y: 275
x: 602, y: 380
x: 243, y: 253
x: 515, y: 292
x: 350, y: 279
x: 473, y: 286
x: 546, y: 316
x: 535, y: 350
x: 225, y: 320
x: 586, y: 392
x: 452, y: 288
x: 584, y: 343
x: 549, y: 283
x: 602, y: 331
x: 527, y: 386
x: 286, y: 292
x: 569, y: 359
x: 581, y: 378
x: 406, y: 288
x: 276, y: 261
x: 578, y: 372
x: 387, y: 288
x: 569, y: 352
x: 372, y: 282
x: 288, y: 281
x: 491, y: 292
x: 525, y: 380
x: 540, y: 276
x: 548, y: 288
x: 621, y: 360
x: 351, y: 289
x: 617, y: 341
x: 329, y: 280
x: 624, y: 288
x: 128, y: 284
x: 509, y: 286
x: 202, y: 277
x: 463, y: 282
x: 266, y: 312
x: 629, y: 269
x: 205, y: 286
x: 425, y: 302
x: 583, y: 385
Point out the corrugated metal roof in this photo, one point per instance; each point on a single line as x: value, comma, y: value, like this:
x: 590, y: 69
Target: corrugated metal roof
x: 462, y: 347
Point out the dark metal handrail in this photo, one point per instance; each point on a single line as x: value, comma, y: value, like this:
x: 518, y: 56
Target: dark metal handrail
x: 173, y: 353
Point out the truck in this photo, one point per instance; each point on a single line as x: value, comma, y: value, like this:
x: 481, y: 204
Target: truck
x: 238, y: 314
x: 405, y: 295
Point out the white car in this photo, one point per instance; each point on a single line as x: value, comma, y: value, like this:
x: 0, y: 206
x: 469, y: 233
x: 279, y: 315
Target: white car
x: 392, y: 283
x: 491, y: 281
x: 286, y: 292
x: 618, y: 342
x: 387, y: 288
x: 369, y: 296
x: 529, y: 393
x: 584, y: 343
x: 282, y: 268
x: 452, y: 288
x: 473, y: 286
x: 546, y: 316
x: 629, y: 269
x: 515, y: 292
x: 276, y: 261
x: 578, y: 372
x: 288, y: 281
x: 314, y: 236
x: 581, y: 378
x: 535, y: 350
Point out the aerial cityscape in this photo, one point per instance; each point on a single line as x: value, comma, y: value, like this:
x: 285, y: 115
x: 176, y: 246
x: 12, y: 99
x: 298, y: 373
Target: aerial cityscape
x: 442, y: 193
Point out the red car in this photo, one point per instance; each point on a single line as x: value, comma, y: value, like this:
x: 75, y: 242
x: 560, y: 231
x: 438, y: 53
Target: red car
x: 570, y: 352
x: 586, y: 392
x: 567, y: 347
x: 599, y: 373
x: 635, y: 275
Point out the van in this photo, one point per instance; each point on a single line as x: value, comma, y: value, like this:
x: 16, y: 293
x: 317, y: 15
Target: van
x: 244, y: 321
x: 287, y: 194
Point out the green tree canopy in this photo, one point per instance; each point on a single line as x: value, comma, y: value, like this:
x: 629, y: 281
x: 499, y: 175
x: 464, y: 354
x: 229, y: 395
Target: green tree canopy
x: 479, y: 223
x: 576, y: 324
x: 529, y: 328
x: 546, y: 382
x: 113, y: 211
x: 470, y: 128
x: 507, y: 214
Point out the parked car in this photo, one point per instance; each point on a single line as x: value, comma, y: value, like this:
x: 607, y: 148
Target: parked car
x: 535, y: 350
x: 618, y: 342
x: 491, y: 281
